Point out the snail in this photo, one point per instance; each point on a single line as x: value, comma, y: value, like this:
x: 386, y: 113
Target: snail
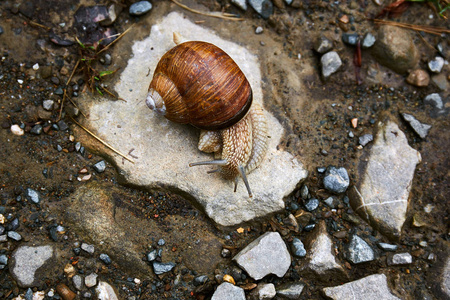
x: 197, y: 83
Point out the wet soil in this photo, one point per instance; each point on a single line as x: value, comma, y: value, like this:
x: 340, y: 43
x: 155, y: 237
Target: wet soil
x: 317, y: 132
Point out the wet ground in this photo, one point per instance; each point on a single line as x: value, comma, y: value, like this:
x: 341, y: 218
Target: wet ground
x: 317, y: 132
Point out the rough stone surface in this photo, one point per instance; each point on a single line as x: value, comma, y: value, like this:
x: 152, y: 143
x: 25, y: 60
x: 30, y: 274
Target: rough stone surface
x: 264, y: 291
x: 290, y: 290
x: 358, y: 251
x: 320, y: 259
x: 420, y: 128
x: 104, y: 213
x: 336, y: 180
x: 330, y: 62
x: 105, y: 291
x: 400, y: 259
x: 242, y: 4
x: 165, y: 149
x: 266, y: 255
x: 370, y: 287
x: 418, y: 78
x: 381, y: 195
x: 90, y: 280
x: 28, y: 264
x: 227, y: 291
x: 395, y: 49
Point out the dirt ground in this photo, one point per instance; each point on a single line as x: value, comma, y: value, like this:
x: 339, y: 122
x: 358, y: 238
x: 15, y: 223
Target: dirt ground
x: 317, y: 132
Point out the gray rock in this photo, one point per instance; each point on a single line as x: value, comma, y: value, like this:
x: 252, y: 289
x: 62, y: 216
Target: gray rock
x: 350, y: 38
x: 90, y: 280
x: 436, y: 64
x: 420, y: 128
x: 445, y: 278
x: 297, y: 247
x: 105, y: 258
x: 105, y: 291
x: 320, y: 259
x: 242, y: 4
x: 151, y: 256
x: 381, y: 195
x: 358, y: 251
x: 263, y: 7
x: 330, y: 62
x: 399, y: 259
x: 440, y: 80
x: 14, y: 235
x: 336, y: 180
x: 332, y: 202
x: 77, y: 281
x: 28, y: 265
x: 365, y: 139
x: 304, y: 192
x: 3, y: 259
x: 264, y: 291
x: 161, y: 268
x: 227, y: 291
x: 387, y: 247
x: 311, y: 204
x: 37, y: 129
x: 370, y: 287
x: 290, y: 290
x: 368, y: 40
x: 88, y: 248
x: 395, y: 49
x: 32, y: 195
x: 48, y: 104
x: 323, y: 45
x: 100, y: 167
x: 175, y: 145
x: 435, y: 100
x: 140, y: 8
x: 3, y: 238
x: 266, y: 255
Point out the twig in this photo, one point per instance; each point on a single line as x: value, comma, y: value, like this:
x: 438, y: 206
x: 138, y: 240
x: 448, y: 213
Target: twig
x: 39, y: 25
x: 103, y: 142
x: 424, y: 28
x: 65, y: 89
x: 219, y: 15
x: 118, y: 38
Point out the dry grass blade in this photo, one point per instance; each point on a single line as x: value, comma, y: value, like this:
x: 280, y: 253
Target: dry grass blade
x: 32, y: 23
x: 118, y: 38
x: 219, y: 15
x: 65, y: 89
x: 424, y: 28
x: 102, y: 141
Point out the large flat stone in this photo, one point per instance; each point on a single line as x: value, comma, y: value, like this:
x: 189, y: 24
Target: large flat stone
x: 381, y: 195
x: 165, y: 149
x: 370, y: 287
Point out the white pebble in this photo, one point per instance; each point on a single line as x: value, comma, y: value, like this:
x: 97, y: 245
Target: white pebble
x: 36, y: 66
x: 259, y: 30
x: 20, y: 81
x: 15, y: 129
x: 428, y: 208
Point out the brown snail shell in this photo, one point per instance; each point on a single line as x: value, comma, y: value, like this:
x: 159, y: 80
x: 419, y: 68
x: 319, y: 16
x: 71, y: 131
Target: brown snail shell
x: 201, y: 85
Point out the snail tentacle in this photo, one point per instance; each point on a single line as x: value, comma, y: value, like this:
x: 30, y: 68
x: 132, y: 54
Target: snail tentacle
x: 244, y: 178
x: 217, y: 162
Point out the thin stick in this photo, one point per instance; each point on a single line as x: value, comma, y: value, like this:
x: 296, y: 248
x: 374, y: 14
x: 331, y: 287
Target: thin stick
x: 65, y: 89
x: 113, y: 42
x: 39, y: 25
x: 219, y: 15
x: 427, y: 29
x: 103, y: 142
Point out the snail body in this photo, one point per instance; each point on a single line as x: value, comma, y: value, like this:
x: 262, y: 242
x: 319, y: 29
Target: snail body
x: 197, y: 83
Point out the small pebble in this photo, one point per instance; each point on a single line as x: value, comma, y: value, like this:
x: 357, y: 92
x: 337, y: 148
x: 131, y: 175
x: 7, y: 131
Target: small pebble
x: 242, y: 4
x: 37, y: 129
x: 105, y: 258
x: 368, y: 40
x: 436, y: 64
x: 90, y: 280
x: 32, y: 195
x: 336, y: 180
x: 435, y: 99
x: 259, y: 30
x: 419, y: 78
x: 350, y: 38
x: 140, y: 8
x: 88, y: 248
x: 365, y: 139
x: 161, y: 268
x: 311, y: 204
x: 151, y: 256
x: 161, y: 242
x: 297, y: 247
x: 323, y: 45
x: 16, y: 130
x: 400, y: 259
x: 100, y: 167
x: 14, y: 235
x: 387, y: 247
x: 330, y: 62
x: 48, y: 104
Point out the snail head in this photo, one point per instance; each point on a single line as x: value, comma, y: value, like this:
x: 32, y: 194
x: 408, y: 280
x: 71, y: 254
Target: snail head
x: 155, y: 102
